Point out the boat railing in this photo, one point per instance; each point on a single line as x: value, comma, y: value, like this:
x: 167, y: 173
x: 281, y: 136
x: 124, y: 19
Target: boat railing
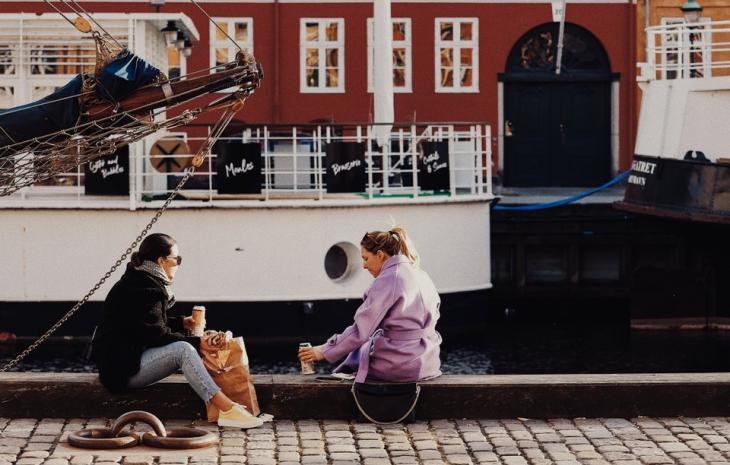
x: 687, y: 50
x: 293, y: 168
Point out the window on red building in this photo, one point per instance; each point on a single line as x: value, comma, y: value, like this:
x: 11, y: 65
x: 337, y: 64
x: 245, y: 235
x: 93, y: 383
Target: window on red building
x: 176, y: 63
x: 222, y: 51
x: 322, y: 55
x: 457, y: 55
x: 401, y: 54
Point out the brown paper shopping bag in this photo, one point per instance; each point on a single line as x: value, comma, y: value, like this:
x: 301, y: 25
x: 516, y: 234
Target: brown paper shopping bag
x: 228, y: 366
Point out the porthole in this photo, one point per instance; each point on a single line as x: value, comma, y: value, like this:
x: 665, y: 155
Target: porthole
x: 340, y: 260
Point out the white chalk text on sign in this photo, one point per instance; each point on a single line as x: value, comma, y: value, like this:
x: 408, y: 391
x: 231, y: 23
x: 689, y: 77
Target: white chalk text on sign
x: 232, y: 170
x: 107, y: 167
x: 431, y: 162
x: 640, y: 166
x: 338, y: 168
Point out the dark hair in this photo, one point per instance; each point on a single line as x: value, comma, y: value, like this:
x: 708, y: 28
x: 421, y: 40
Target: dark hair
x: 392, y: 242
x: 153, y: 247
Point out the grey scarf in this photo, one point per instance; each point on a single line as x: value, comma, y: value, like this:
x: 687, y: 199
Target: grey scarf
x: 158, y: 272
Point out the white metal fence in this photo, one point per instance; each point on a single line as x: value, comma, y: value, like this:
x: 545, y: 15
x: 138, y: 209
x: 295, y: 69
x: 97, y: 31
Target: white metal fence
x: 293, y: 168
x: 683, y: 50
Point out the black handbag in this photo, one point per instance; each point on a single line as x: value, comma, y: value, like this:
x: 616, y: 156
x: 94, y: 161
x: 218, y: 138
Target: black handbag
x: 386, y: 404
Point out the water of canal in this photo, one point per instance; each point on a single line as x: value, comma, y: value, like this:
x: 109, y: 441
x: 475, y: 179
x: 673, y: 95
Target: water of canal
x: 537, y: 348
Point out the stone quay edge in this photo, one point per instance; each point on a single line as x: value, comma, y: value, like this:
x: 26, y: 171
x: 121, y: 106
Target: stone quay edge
x: 79, y: 395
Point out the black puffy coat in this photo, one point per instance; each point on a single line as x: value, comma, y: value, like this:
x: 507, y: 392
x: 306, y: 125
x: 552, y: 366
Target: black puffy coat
x: 135, y: 319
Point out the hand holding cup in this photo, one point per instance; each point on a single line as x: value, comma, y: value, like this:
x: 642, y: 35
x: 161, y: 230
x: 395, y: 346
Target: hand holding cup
x: 310, y: 354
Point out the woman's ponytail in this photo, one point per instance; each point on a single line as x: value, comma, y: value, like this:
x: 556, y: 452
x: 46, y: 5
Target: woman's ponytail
x: 135, y: 260
x: 393, y: 242
x: 402, y: 244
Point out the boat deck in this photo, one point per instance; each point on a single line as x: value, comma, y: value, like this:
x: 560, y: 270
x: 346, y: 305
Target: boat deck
x: 537, y: 195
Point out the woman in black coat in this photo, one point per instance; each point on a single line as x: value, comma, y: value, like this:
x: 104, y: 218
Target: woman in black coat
x: 138, y: 344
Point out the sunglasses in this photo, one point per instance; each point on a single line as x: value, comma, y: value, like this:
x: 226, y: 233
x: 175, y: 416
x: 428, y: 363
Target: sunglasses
x: 178, y: 259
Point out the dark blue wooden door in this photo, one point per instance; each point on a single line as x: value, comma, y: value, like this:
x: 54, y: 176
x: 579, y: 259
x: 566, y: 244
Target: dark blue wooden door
x: 557, y: 133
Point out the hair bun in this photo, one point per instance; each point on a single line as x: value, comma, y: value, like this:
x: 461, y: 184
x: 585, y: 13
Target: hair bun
x: 135, y: 259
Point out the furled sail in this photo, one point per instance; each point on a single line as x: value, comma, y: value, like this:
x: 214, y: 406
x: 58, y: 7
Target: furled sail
x: 64, y: 109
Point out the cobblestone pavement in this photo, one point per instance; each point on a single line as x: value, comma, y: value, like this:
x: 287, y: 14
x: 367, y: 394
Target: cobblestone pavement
x: 617, y: 441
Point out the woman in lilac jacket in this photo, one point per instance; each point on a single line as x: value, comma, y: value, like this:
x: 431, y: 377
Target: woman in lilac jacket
x: 394, y: 335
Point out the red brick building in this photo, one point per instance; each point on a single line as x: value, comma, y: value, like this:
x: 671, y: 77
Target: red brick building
x: 470, y: 60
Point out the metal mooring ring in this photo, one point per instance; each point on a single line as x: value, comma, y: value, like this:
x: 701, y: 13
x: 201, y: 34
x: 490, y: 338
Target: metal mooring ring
x: 102, y: 438
x: 115, y: 438
x: 181, y: 438
x: 138, y: 416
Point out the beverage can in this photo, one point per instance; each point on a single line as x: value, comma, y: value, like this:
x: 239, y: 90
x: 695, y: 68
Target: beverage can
x: 199, y: 321
x: 307, y: 367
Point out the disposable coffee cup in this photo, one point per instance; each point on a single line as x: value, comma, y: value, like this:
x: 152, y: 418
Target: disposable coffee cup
x: 198, y: 321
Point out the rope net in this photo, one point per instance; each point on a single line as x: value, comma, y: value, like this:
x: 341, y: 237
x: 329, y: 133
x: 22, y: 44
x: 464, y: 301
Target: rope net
x: 23, y: 163
x: 27, y: 162
x: 62, y: 152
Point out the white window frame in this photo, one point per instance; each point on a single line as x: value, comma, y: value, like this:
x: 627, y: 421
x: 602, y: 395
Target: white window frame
x: 706, y: 48
x: 404, y: 44
x: 12, y: 80
x: 322, y: 45
x: 230, y: 28
x: 28, y: 26
x: 457, y: 45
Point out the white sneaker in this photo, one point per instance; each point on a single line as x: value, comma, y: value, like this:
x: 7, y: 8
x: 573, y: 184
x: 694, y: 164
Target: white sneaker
x: 266, y: 417
x: 238, y: 417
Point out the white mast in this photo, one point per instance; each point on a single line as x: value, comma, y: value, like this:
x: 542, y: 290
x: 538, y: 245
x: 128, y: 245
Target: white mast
x: 382, y: 70
x: 560, y: 34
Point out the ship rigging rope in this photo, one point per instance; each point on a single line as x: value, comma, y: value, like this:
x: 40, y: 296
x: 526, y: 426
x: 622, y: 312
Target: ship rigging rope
x: 135, y: 130
x: 44, y: 159
x: 216, y: 25
x: 71, y: 4
x: 103, y: 279
x: 71, y: 7
x: 82, y: 94
x: 27, y: 162
x: 565, y: 201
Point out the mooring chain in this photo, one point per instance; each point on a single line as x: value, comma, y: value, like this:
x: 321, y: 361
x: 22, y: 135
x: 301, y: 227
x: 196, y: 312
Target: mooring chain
x: 106, y: 276
x: 196, y: 162
x: 116, y: 438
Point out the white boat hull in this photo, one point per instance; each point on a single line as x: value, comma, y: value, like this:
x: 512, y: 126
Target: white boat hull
x: 239, y: 254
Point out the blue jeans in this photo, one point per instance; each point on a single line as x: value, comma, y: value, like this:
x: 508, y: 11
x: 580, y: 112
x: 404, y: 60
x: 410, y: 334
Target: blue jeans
x: 160, y: 362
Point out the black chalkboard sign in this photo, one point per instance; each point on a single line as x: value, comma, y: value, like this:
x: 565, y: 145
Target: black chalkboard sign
x: 108, y: 175
x: 239, y: 167
x: 433, y: 166
x: 345, y: 163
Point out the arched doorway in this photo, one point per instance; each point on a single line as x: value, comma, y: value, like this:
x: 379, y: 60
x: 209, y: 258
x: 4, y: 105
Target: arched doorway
x: 557, y: 127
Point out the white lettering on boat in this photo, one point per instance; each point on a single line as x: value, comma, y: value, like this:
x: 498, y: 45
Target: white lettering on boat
x: 638, y: 180
x: 233, y: 170
x: 431, y: 161
x: 107, y: 167
x: 337, y: 168
x: 645, y: 167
